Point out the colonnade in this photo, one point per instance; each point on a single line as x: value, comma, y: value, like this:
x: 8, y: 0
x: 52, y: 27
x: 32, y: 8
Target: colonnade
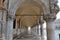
x: 39, y: 28
x: 9, y: 28
x: 49, y: 29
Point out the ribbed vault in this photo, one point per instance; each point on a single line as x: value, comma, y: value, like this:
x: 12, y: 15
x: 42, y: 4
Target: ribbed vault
x: 29, y: 13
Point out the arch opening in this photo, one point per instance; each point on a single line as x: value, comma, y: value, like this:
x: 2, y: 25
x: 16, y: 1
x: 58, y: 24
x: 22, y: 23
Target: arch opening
x: 29, y: 13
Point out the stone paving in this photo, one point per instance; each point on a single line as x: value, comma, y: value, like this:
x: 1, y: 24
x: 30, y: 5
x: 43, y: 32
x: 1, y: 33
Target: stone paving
x: 27, y: 36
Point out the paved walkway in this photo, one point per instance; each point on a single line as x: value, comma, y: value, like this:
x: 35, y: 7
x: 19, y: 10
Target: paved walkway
x: 26, y: 36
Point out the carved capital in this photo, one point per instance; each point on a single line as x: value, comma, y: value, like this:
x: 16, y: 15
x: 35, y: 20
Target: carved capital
x: 11, y: 17
x: 54, y: 8
x: 49, y: 17
x: 41, y: 20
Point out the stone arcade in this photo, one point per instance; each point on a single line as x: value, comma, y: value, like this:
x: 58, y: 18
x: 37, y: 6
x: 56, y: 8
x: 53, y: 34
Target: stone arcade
x: 28, y: 14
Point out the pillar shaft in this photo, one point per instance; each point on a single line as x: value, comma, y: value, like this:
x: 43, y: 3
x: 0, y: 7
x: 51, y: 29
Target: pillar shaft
x: 42, y: 32
x: 41, y: 21
x: 20, y: 26
x: 41, y: 28
x: 16, y: 26
x: 38, y: 29
x: 10, y: 30
x: 50, y: 30
x: 18, y: 29
x: 4, y: 28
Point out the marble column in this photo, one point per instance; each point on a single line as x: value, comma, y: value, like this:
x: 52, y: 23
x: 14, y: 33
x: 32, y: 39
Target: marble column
x: 41, y: 28
x: 10, y: 29
x: 38, y: 29
x: 20, y: 26
x: 16, y: 26
x: 4, y: 28
x: 41, y: 21
x: 50, y: 29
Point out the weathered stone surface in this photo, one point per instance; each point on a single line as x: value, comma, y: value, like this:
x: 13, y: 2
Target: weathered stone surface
x: 50, y: 9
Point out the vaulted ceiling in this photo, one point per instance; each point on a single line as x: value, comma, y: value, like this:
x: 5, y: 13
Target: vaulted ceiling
x: 29, y: 13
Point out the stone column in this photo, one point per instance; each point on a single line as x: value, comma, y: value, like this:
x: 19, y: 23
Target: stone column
x: 10, y: 27
x: 10, y: 30
x: 16, y: 26
x: 38, y: 29
x: 42, y: 32
x: 41, y: 27
x: 54, y: 9
x: 4, y: 31
x: 20, y: 26
x: 50, y: 29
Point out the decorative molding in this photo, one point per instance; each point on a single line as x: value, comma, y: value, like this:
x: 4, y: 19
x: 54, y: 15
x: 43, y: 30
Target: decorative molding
x: 54, y: 8
x: 16, y: 4
x: 10, y: 16
x: 49, y: 17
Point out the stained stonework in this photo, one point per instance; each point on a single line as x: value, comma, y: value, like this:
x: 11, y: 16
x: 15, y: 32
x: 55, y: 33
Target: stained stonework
x: 50, y: 10
x: 36, y: 8
x: 29, y: 11
x: 18, y: 3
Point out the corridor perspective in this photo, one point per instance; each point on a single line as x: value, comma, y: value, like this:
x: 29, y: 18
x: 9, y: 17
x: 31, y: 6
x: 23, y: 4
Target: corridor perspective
x: 29, y: 20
